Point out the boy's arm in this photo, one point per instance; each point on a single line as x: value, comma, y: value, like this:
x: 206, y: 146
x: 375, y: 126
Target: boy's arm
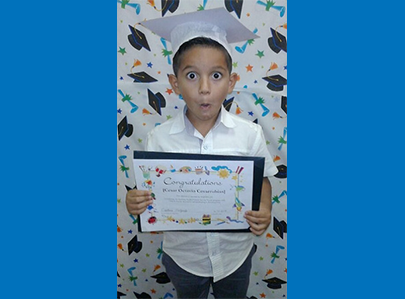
x: 260, y: 220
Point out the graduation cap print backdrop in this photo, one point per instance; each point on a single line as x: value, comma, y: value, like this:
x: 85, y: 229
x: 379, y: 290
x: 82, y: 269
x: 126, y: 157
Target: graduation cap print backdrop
x: 124, y: 128
x: 234, y: 5
x: 156, y: 101
x: 145, y: 99
x: 165, y: 6
x: 277, y: 41
x: 142, y: 77
x: 275, y: 82
x: 169, y: 5
x: 137, y: 39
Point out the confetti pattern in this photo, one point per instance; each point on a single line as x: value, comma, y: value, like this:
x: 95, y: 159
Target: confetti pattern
x: 145, y: 99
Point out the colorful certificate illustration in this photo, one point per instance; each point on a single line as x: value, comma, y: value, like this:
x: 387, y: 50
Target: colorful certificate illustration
x: 197, y: 192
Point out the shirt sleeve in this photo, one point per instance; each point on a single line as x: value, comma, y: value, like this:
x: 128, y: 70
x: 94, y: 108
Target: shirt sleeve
x: 259, y: 149
x: 151, y: 142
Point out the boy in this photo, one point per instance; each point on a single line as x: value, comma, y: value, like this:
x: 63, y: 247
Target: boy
x: 203, y: 75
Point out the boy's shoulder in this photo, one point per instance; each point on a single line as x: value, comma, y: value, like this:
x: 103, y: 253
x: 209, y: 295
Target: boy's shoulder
x: 165, y: 126
x: 243, y: 122
x: 174, y: 124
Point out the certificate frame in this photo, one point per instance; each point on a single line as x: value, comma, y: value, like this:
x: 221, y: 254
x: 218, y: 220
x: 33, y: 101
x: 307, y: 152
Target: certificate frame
x: 257, y: 180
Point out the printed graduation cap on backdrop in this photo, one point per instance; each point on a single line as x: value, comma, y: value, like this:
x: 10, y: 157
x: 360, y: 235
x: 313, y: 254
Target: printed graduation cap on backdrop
x: 143, y: 295
x: 142, y: 77
x: 137, y: 39
x: 276, y: 82
x: 161, y: 278
x: 274, y: 283
x: 282, y: 172
x: 277, y: 41
x: 217, y: 24
x: 228, y: 103
x: 156, y: 101
x: 129, y: 188
x: 134, y: 245
x: 234, y: 5
x: 124, y: 128
x: 284, y: 103
x: 280, y: 227
x: 169, y: 5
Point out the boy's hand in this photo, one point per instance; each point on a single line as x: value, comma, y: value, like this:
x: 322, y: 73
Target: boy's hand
x: 137, y: 201
x: 259, y: 221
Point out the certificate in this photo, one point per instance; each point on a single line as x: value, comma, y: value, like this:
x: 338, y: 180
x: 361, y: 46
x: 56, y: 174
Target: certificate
x: 194, y: 192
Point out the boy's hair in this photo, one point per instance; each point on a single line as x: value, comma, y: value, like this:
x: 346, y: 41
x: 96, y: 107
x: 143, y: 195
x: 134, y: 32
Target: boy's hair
x: 203, y: 42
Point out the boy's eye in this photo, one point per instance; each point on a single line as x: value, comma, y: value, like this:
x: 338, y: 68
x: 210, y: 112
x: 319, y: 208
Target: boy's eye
x: 217, y: 75
x: 191, y: 76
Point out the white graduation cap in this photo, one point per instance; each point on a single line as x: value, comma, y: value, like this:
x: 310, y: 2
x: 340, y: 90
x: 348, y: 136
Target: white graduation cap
x: 217, y: 24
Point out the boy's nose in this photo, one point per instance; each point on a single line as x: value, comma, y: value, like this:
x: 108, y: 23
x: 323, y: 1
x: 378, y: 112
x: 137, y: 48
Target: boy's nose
x: 204, y: 86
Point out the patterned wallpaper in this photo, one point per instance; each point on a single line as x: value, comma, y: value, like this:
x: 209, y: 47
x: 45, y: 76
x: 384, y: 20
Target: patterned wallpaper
x: 260, y: 95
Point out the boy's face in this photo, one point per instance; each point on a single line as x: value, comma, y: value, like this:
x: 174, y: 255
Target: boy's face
x: 204, y: 81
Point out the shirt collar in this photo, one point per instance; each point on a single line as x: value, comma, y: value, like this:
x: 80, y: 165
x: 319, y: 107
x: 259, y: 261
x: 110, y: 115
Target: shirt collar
x: 226, y: 118
x: 179, y: 123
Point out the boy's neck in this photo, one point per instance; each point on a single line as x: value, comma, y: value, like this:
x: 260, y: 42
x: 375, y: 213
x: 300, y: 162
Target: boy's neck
x: 203, y: 126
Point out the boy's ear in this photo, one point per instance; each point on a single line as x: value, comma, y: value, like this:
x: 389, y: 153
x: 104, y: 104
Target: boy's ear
x: 173, y: 82
x: 232, y: 81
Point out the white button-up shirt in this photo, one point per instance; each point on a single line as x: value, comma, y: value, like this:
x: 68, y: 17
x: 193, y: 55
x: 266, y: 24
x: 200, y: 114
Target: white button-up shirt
x: 212, y: 254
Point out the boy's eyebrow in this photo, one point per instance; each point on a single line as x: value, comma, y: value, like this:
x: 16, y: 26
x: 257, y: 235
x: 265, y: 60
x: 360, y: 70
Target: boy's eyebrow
x: 213, y: 68
x: 186, y: 67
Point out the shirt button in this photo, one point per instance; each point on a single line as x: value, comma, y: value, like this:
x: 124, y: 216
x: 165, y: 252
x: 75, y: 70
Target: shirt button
x: 205, y: 147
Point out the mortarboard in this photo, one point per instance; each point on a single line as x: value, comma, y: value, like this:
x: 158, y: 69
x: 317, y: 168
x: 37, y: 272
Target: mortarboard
x: 228, y: 103
x: 236, y: 6
x: 137, y: 39
x: 142, y: 77
x: 284, y: 104
x: 129, y: 188
x: 274, y: 283
x: 161, y: 278
x: 124, y: 128
x: 119, y: 294
x: 143, y: 295
x: 156, y: 101
x: 276, y: 82
x: 282, y: 172
x: 169, y: 5
x: 134, y: 245
x: 280, y: 227
x: 277, y: 41
x: 217, y: 24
